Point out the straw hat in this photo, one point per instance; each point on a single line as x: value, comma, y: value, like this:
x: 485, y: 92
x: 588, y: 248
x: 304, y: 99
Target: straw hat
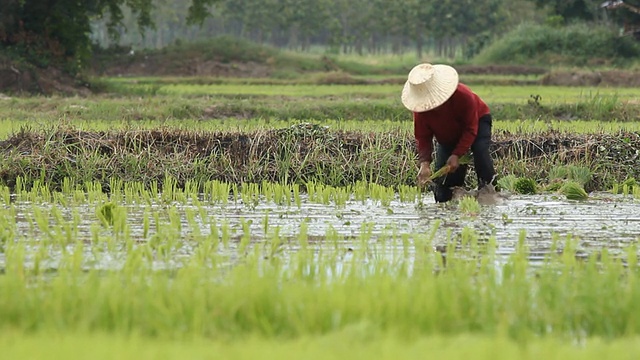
x: 429, y: 86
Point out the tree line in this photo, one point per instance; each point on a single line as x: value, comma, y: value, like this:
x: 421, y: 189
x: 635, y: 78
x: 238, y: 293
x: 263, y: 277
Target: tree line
x: 342, y: 26
x: 66, y: 29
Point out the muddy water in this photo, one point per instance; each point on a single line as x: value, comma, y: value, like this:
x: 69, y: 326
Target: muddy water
x: 605, y: 221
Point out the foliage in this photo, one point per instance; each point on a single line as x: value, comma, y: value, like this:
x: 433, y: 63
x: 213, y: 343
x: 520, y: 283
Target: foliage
x: 572, y: 45
x: 571, y: 10
x: 225, y: 49
x: 340, y: 26
x: 58, y: 31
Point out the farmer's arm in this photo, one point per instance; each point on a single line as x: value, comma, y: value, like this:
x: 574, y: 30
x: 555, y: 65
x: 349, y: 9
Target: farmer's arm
x: 424, y: 137
x: 468, y: 116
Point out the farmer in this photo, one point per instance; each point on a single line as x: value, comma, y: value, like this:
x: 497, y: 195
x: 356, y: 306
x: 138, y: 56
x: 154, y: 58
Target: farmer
x: 458, y: 119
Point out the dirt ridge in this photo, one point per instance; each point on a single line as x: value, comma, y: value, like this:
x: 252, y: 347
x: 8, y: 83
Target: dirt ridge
x: 291, y: 154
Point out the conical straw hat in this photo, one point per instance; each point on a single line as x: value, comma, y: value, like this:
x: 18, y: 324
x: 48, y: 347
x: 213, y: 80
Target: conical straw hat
x: 429, y: 86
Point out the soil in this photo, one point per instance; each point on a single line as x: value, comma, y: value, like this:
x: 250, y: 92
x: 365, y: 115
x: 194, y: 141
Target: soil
x: 500, y: 70
x: 160, y: 65
x: 17, y: 78
x: 613, y: 78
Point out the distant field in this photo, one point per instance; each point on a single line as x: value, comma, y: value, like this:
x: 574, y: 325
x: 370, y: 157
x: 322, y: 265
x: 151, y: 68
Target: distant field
x: 152, y: 102
x: 491, y: 93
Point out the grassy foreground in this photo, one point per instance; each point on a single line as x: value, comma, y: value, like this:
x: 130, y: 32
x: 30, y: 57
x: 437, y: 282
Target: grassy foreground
x: 349, y: 344
x: 315, y: 306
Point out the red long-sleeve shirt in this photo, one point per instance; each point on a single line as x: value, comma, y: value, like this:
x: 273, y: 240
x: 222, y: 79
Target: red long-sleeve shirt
x: 454, y: 123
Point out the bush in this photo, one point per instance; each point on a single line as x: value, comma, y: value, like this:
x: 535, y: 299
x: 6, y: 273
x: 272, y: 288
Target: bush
x: 576, y: 44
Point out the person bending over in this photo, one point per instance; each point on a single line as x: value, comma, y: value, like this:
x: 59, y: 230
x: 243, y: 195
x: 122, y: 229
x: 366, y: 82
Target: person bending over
x: 458, y: 119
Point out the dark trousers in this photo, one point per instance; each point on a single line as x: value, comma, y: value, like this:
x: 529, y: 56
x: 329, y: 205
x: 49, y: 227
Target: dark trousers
x: 482, y: 163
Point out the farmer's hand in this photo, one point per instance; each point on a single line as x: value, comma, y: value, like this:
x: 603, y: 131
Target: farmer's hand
x: 453, y: 163
x: 424, y: 174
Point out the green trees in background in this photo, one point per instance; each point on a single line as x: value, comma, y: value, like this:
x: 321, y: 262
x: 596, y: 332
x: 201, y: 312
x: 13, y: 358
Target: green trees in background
x: 343, y: 26
x: 571, y: 10
x: 64, y: 30
x: 46, y: 31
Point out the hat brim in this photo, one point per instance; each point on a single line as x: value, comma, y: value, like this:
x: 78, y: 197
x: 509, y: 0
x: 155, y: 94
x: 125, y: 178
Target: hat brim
x: 419, y: 98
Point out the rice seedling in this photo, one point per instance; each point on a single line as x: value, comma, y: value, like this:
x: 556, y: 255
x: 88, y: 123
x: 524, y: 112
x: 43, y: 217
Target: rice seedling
x: 105, y: 213
x: 407, y: 193
x: 463, y: 160
x: 249, y: 300
x: 214, y: 270
x: 469, y: 205
x: 628, y: 186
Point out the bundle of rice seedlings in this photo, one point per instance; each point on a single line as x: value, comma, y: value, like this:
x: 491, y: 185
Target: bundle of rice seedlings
x: 525, y: 186
x: 580, y: 174
x: 558, y: 173
x: 508, y: 183
x: 463, y: 160
x: 574, y: 191
x: 554, y: 185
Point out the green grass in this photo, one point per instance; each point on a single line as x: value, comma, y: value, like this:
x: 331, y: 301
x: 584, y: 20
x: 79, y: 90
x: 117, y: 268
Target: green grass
x: 490, y: 93
x: 514, y: 127
x: 312, y: 103
x: 352, y: 344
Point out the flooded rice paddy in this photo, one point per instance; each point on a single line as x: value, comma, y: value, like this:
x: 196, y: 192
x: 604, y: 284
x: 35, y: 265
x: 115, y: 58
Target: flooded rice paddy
x: 541, y: 223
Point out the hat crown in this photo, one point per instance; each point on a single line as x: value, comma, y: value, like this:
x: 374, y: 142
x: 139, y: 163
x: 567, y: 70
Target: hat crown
x: 421, y: 74
x: 429, y: 86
